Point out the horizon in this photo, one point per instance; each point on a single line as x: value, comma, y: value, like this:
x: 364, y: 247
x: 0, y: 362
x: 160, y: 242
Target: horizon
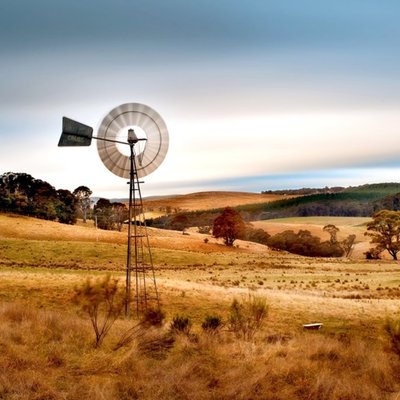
x: 257, y: 96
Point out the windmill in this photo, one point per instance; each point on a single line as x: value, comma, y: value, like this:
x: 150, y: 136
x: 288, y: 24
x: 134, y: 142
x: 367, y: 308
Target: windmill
x: 132, y: 142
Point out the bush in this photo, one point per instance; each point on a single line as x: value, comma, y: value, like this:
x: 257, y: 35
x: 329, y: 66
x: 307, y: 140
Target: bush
x: 374, y: 253
x: 153, y: 317
x: 181, y: 324
x: 103, y: 303
x: 246, y: 317
x: 212, y: 323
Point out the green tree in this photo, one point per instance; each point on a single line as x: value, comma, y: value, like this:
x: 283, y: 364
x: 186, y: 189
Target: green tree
x: 82, y: 195
x: 180, y: 222
x: 384, y: 230
x: 229, y: 225
x: 66, y: 207
x: 43, y: 201
x: 104, y: 214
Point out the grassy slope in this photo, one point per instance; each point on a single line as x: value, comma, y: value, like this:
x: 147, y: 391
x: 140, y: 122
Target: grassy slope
x: 47, y: 350
x: 211, y: 200
x: 363, y: 194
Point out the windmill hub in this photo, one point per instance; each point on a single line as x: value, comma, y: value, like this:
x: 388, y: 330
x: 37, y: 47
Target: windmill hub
x: 131, y: 135
x: 132, y: 138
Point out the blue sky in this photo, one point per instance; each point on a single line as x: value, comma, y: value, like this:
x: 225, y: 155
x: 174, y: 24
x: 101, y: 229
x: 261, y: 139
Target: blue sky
x: 257, y: 95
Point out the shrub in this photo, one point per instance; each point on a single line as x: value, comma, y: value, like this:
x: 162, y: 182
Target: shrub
x: 374, y: 253
x: 181, y: 324
x: 212, y: 323
x: 246, y: 317
x: 103, y: 303
x: 153, y: 317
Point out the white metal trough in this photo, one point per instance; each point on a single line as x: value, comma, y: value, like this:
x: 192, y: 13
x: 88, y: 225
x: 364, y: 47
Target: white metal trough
x: 314, y: 326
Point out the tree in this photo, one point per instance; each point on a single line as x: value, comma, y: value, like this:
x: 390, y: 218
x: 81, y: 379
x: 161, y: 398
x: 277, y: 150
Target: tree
x: 385, y: 231
x: 44, y: 200
x: 332, y: 230
x: 120, y: 214
x: 66, y: 207
x: 257, y: 235
x: 82, y: 195
x: 180, y: 222
x: 229, y: 225
x: 347, y: 244
x: 104, y: 214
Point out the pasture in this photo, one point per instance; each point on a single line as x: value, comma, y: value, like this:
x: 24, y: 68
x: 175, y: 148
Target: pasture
x: 47, y: 342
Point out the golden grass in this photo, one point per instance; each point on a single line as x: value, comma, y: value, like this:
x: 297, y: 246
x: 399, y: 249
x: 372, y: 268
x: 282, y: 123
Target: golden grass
x: 47, y: 347
x: 211, y: 200
x: 49, y: 355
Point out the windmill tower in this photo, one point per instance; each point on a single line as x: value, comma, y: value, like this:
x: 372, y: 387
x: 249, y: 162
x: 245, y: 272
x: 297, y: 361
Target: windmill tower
x: 132, y: 142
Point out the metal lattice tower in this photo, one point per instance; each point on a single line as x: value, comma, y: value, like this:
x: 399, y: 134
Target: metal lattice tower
x: 146, y: 153
x: 145, y: 293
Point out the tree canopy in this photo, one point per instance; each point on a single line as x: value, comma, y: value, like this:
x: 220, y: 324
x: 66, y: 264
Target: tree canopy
x: 82, y: 196
x: 21, y: 193
x: 384, y: 229
x: 229, y: 225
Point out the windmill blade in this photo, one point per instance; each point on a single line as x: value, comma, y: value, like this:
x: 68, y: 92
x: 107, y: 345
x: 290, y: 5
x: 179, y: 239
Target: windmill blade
x: 155, y: 147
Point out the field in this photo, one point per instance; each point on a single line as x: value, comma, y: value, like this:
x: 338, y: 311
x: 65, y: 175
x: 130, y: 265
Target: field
x: 47, y: 341
x: 211, y: 200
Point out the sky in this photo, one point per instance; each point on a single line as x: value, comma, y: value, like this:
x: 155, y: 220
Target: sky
x: 257, y: 95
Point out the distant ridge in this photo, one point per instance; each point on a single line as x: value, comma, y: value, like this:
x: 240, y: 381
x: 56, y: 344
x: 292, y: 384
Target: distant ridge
x: 359, y: 201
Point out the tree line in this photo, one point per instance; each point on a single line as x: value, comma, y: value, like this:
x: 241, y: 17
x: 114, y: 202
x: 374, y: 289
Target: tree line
x: 21, y: 193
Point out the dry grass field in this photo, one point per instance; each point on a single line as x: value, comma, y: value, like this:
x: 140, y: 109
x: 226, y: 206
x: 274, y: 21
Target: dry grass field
x: 46, y: 341
x: 211, y: 200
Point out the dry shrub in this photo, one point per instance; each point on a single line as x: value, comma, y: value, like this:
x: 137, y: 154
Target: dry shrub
x: 103, y: 303
x: 246, y: 317
x: 212, y: 324
x: 181, y: 324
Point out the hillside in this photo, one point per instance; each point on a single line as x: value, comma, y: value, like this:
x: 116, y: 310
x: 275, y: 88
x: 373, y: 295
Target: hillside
x: 346, y: 225
x: 48, y: 233
x: 210, y: 200
x: 360, y: 201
